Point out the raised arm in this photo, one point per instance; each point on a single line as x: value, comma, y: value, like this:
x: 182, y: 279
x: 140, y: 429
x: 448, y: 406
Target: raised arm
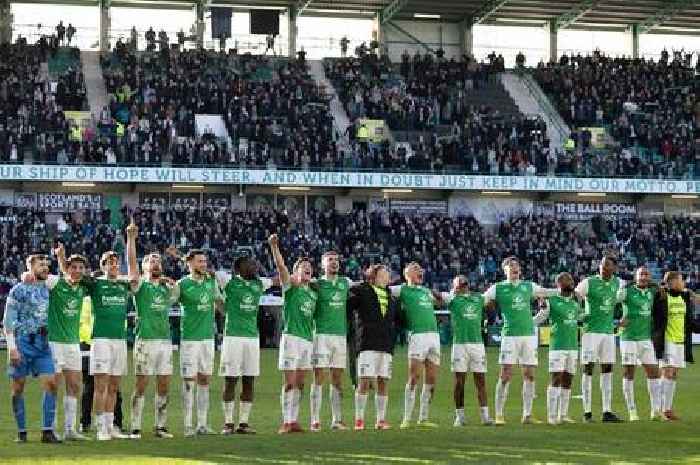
x: 60, y: 253
x: 540, y: 292
x: 132, y: 264
x: 285, y: 277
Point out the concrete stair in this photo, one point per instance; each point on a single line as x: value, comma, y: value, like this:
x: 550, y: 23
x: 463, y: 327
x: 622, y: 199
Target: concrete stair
x: 94, y: 83
x: 530, y: 99
x: 340, y: 116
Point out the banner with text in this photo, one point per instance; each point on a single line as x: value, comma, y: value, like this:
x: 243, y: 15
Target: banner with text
x: 58, y: 201
x: 112, y: 174
x: 577, y: 211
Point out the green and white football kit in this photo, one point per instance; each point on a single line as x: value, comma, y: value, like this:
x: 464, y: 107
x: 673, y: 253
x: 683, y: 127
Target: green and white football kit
x: 240, y: 352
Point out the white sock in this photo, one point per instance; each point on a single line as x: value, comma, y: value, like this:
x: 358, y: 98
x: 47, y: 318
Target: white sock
x: 409, y: 401
x: 501, y: 396
x: 587, y: 392
x: 484, y: 413
x: 316, y: 398
x: 336, y: 404
x: 101, y: 422
x: 161, y: 411
x: 296, y: 403
x: 380, y: 403
x: 564, y: 397
x: 109, y: 421
x: 553, y: 403
x: 70, y: 410
x: 202, y: 405
x: 459, y: 414
x: 669, y: 391
x: 360, y: 404
x: 287, y: 401
x: 528, y: 396
x: 628, y: 392
x: 187, y: 402
x: 606, y: 391
x: 654, y: 388
x: 244, y: 411
x: 426, y: 396
x: 136, y: 411
x: 283, y: 405
x: 228, y: 408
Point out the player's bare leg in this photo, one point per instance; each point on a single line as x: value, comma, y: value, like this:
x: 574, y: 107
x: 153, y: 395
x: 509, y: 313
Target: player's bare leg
x: 245, y: 405
x: 482, y: 398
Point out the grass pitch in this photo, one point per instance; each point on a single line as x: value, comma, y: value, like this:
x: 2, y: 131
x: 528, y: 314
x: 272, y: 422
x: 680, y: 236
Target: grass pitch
x: 644, y: 442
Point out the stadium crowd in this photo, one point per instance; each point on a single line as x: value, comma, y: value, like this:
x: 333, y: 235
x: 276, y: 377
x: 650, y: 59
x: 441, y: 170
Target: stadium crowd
x: 546, y: 246
x: 32, y: 104
x: 275, y: 115
x: 646, y: 104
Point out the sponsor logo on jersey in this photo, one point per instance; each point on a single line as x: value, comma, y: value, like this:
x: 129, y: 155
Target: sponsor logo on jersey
x: 307, y: 308
x: 113, y: 300
x: 71, y: 308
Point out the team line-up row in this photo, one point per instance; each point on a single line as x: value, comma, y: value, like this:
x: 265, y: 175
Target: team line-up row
x: 323, y: 318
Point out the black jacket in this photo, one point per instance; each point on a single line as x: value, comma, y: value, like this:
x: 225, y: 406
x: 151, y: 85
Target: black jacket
x: 660, y: 321
x: 370, y: 329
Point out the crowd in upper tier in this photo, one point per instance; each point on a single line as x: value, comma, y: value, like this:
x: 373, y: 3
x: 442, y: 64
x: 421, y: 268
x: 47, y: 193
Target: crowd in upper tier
x: 649, y: 106
x: 444, y: 114
x: 444, y: 245
x: 33, y: 99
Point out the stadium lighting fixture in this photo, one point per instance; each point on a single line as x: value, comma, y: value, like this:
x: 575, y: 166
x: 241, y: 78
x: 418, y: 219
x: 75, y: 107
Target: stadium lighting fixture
x: 78, y: 184
x: 426, y: 15
x: 397, y: 191
x: 496, y: 193
x: 197, y: 187
x: 592, y: 194
x: 295, y: 188
x: 684, y: 196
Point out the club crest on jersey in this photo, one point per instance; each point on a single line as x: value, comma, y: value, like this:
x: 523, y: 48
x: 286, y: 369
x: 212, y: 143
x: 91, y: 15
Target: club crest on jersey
x: 204, y: 303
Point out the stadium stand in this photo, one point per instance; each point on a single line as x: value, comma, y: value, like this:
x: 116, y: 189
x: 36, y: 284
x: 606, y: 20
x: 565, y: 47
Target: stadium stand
x: 647, y: 105
x: 546, y: 246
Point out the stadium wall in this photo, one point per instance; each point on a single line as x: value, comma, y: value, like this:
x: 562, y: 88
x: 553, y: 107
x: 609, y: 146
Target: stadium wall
x: 434, y: 34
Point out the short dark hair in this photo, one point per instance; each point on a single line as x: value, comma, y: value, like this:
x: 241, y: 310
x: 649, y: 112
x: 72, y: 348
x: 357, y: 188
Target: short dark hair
x: 193, y: 253
x: 76, y: 258
x: 610, y: 257
x: 29, y: 261
x: 508, y: 260
x: 239, y: 261
x: 372, y: 270
x: 301, y: 260
x: 671, y: 275
x: 107, y: 256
